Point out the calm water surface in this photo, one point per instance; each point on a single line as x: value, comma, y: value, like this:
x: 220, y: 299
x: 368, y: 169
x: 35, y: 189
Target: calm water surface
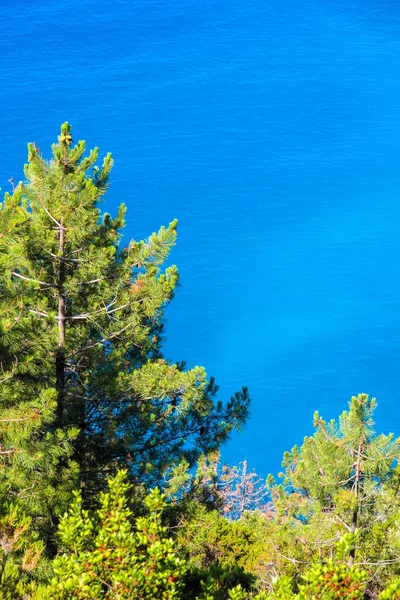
x: 271, y: 130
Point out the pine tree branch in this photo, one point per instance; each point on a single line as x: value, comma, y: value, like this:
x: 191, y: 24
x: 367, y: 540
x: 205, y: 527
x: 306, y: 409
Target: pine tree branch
x: 41, y: 314
x: 96, y: 312
x: 14, y: 368
x: 292, y: 560
x: 47, y: 212
x: 50, y: 285
x: 106, y: 339
x: 8, y: 377
x: 390, y: 561
x: 329, y: 437
x: 336, y: 516
x: 90, y: 282
x: 64, y: 259
x: 17, y: 419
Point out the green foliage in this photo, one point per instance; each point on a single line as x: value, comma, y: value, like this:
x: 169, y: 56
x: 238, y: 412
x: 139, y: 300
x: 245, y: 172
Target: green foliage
x: 209, y: 539
x: 392, y: 591
x: 216, y: 582
x: 84, y: 387
x: 283, y: 588
x: 237, y: 593
x: 21, y: 562
x: 86, y: 391
x: 343, y: 479
x: 105, y: 557
x: 347, y: 455
x: 328, y: 580
x: 332, y: 581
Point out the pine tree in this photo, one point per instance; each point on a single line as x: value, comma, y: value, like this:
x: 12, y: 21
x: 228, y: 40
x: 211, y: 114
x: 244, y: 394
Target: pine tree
x: 84, y: 388
x: 343, y: 480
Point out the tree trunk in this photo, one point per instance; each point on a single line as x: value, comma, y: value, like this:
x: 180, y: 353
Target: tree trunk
x: 358, y: 492
x: 60, y: 356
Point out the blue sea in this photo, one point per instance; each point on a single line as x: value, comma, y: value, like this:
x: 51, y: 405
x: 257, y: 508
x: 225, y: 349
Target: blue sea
x: 271, y: 130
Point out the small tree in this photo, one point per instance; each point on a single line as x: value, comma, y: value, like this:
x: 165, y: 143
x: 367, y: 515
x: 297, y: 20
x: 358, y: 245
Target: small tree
x: 241, y: 489
x: 344, y: 479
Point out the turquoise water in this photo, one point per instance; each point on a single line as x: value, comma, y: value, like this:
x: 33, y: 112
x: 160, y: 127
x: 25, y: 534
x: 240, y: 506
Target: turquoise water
x: 272, y: 132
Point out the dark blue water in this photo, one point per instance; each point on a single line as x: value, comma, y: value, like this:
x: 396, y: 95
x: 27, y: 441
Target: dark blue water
x: 271, y: 130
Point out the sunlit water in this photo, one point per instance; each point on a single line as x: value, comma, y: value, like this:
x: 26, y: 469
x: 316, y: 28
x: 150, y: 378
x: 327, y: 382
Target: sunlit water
x: 271, y: 130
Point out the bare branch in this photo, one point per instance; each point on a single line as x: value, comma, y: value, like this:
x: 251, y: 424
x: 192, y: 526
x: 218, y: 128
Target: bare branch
x: 33, y: 280
x: 91, y: 281
x: 64, y: 259
x: 41, y: 314
x: 48, y: 213
x: 96, y: 312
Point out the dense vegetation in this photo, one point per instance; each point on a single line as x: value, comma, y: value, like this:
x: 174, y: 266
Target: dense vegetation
x: 111, y: 484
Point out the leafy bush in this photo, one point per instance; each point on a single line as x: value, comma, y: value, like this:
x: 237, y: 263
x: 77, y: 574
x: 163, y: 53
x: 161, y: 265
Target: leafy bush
x: 105, y: 557
x: 332, y: 581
